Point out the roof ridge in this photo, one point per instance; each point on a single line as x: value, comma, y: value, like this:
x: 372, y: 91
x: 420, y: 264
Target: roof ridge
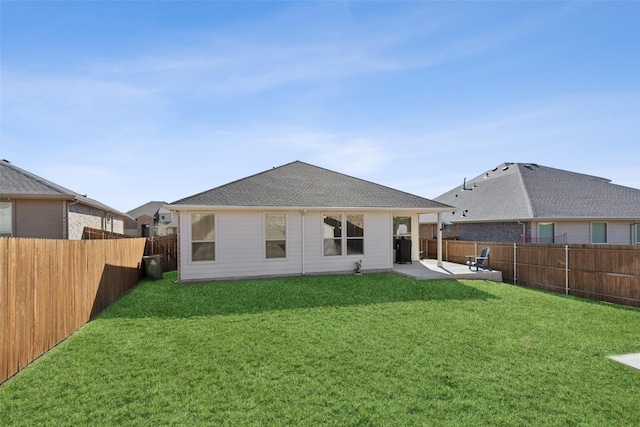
x: 527, y: 198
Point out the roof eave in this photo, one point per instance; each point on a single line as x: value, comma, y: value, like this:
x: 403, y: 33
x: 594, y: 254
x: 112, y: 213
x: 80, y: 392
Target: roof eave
x: 422, y: 210
x: 36, y: 196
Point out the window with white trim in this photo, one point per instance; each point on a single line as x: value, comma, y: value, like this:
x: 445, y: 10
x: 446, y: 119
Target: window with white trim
x: 546, y: 232
x: 598, y: 232
x: 335, y: 239
x: 203, y: 237
x: 637, y: 234
x: 275, y: 235
x: 332, y: 234
x: 355, y: 234
x: 5, y: 219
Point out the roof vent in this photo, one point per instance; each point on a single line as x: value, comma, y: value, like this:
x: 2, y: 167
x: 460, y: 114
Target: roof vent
x: 464, y: 186
x: 505, y: 168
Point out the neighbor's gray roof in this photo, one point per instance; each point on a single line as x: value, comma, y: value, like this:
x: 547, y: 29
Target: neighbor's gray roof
x: 525, y: 191
x: 149, y: 208
x: 16, y: 182
x: 299, y: 184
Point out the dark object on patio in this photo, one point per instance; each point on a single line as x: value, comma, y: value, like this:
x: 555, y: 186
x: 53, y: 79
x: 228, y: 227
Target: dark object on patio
x: 481, y: 261
x: 403, y: 251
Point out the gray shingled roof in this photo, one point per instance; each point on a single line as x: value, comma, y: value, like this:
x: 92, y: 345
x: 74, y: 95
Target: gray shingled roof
x: 149, y: 208
x: 525, y: 191
x: 299, y: 184
x: 16, y: 182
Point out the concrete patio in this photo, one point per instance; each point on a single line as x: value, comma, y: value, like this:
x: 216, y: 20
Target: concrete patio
x: 428, y: 269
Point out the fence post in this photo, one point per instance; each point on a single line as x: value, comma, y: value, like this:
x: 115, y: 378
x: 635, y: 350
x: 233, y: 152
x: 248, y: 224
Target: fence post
x: 566, y: 269
x: 515, y: 265
x: 446, y: 251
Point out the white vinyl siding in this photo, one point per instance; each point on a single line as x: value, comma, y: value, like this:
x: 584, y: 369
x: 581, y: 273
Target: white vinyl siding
x: 240, y: 247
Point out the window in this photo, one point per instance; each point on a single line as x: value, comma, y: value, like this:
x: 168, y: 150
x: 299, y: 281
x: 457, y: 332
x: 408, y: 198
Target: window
x: 401, y: 227
x: 334, y: 238
x: 275, y: 232
x: 355, y: 234
x: 332, y: 233
x: 546, y: 232
x: 203, y: 237
x: 638, y: 234
x: 5, y: 219
x: 599, y: 232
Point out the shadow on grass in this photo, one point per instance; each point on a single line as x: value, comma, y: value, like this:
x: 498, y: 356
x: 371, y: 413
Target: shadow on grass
x: 166, y: 299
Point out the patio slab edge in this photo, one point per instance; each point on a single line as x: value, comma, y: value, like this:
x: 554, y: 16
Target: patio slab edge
x: 632, y: 360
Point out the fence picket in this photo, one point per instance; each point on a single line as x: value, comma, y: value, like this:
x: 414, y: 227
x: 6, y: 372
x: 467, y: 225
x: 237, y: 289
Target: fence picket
x: 49, y: 288
x: 602, y: 272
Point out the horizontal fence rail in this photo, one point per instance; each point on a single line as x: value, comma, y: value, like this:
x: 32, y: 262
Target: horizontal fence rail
x: 167, y: 246
x: 608, y: 273
x: 49, y: 288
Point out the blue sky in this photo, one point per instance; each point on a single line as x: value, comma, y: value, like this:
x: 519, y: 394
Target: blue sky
x: 158, y: 100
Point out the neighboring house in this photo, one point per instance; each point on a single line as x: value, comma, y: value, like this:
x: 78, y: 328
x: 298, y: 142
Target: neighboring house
x: 151, y: 219
x: 528, y: 202
x: 295, y: 219
x: 31, y: 206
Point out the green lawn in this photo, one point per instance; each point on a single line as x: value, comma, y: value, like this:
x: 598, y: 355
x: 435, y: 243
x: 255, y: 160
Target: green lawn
x: 345, y: 350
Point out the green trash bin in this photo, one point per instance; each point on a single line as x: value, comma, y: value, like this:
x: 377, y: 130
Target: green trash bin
x: 153, y: 266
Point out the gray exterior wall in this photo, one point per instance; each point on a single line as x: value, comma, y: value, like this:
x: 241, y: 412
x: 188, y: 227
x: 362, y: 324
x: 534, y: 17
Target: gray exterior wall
x: 618, y: 232
x: 482, y: 232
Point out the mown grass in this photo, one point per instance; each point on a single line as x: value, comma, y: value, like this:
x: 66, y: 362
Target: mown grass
x: 337, y: 350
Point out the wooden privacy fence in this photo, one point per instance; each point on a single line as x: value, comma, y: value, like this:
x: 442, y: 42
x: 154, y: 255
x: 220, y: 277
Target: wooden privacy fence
x: 89, y: 233
x: 167, y: 246
x: 49, y: 288
x: 600, y: 272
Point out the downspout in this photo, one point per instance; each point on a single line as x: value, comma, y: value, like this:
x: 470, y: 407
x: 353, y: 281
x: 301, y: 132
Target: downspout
x: 304, y: 261
x: 439, y: 264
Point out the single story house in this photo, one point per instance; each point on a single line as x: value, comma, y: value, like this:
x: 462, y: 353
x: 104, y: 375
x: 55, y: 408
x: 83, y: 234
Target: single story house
x: 31, y: 206
x: 527, y: 202
x: 295, y: 219
x: 151, y: 219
